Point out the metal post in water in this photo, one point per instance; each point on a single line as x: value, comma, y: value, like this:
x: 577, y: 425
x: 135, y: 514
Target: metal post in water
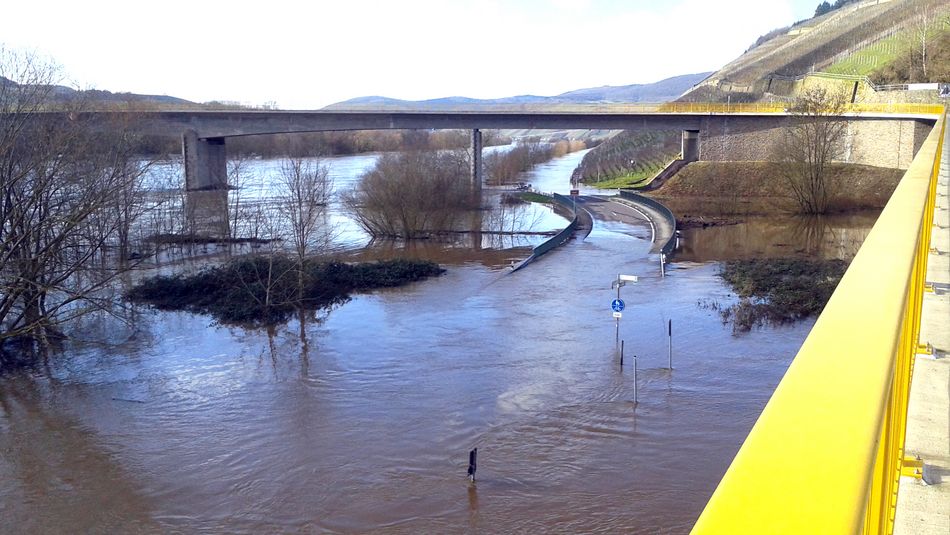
x: 621, y: 353
x: 662, y: 265
x: 669, y: 334
x: 617, y: 332
x: 472, y: 464
x: 635, y: 393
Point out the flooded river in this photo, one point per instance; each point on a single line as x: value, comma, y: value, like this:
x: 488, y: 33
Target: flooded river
x: 361, y: 420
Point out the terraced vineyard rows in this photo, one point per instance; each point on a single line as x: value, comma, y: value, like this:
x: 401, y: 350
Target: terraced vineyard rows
x: 633, y: 155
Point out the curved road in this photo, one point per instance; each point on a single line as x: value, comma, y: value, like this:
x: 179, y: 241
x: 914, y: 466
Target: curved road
x: 624, y: 211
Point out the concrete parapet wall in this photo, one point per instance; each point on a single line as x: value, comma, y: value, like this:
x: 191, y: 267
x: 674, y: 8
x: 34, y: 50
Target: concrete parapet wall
x: 664, y: 244
x: 880, y: 143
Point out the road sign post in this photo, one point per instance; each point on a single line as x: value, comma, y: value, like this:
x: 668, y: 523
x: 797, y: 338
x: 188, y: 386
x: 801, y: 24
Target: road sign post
x: 617, y: 305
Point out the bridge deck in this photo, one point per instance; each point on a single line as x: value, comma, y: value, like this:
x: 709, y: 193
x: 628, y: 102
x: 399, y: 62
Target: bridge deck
x: 924, y: 508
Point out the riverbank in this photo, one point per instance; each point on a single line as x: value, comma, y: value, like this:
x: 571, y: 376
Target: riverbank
x: 716, y: 193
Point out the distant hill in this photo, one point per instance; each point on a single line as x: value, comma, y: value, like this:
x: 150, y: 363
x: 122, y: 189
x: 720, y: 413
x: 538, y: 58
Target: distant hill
x: 662, y: 91
x: 60, y: 93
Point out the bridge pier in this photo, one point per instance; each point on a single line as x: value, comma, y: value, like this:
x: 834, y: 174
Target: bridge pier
x: 206, y: 162
x: 476, y: 175
x: 690, y: 145
x: 206, y: 185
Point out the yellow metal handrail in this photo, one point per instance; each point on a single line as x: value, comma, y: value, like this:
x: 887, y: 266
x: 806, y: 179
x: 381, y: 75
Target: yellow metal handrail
x: 826, y: 453
x: 778, y: 107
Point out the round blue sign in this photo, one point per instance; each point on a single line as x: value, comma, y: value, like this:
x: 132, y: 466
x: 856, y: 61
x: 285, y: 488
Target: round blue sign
x: 617, y: 305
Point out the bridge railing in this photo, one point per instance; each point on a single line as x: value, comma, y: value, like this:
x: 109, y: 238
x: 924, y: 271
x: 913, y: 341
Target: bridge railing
x: 780, y: 107
x: 825, y: 455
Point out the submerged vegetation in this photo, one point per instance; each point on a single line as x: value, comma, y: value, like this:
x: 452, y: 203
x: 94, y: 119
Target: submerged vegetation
x: 265, y: 289
x: 412, y: 195
x: 780, y: 290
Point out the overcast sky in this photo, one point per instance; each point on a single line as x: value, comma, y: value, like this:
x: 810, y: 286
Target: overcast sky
x: 308, y: 54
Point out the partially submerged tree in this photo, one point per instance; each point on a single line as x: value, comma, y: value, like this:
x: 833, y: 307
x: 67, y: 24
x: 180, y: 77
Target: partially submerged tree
x: 412, y: 194
x: 68, y: 198
x: 305, y: 191
x: 813, y: 139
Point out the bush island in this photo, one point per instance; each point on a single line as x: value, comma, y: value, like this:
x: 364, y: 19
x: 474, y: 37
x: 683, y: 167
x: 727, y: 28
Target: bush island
x: 264, y: 289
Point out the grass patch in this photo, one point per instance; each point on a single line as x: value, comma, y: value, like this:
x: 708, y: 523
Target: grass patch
x: 633, y: 180
x: 530, y: 196
x: 263, y: 290
x: 780, y: 290
x: 872, y: 57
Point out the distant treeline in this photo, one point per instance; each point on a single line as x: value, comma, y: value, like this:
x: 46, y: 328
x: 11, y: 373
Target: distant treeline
x: 503, y: 168
x: 331, y: 143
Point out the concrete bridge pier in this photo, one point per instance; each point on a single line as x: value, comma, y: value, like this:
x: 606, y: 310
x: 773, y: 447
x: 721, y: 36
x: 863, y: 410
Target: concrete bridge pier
x: 476, y: 175
x: 476, y: 188
x: 690, y: 145
x: 206, y: 162
x: 206, y: 185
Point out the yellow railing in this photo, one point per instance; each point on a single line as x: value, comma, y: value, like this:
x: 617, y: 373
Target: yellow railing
x: 778, y: 107
x: 635, y: 108
x: 825, y: 455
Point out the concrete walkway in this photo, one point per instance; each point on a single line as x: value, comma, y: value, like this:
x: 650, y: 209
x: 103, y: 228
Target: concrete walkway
x: 923, y: 507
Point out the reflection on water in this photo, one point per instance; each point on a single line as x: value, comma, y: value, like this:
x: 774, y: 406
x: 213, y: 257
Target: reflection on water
x: 206, y: 213
x: 835, y: 236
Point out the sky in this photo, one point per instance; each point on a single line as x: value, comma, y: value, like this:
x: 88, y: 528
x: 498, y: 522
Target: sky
x: 308, y: 54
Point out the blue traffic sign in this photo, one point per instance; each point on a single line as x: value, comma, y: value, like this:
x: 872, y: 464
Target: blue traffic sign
x: 617, y: 305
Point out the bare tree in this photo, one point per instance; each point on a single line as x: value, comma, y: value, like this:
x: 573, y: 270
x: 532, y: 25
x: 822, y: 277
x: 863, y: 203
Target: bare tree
x: 412, y: 194
x: 65, y: 196
x: 306, y: 189
x: 923, y: 25
x: 813, y: 139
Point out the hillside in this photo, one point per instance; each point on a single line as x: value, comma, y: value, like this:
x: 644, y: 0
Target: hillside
x: 60, y: 93
x: 662, y: 91
x: 811, y: 45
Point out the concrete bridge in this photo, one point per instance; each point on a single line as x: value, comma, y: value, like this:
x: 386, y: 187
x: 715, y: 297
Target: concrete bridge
x: 877, y: 135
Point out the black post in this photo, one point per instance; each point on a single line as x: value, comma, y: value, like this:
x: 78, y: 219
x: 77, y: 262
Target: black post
x: 636, y: 396
x: 472, y: 464
x: 669, y: 334
x: 621, y: 353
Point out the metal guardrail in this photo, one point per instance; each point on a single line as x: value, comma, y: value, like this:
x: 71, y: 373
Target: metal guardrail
x: 558, y: 239
x: 670, y: 245
x: 826, y: 454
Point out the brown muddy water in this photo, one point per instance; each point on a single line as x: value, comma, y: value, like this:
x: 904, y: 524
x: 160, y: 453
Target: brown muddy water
x: 361, y: 420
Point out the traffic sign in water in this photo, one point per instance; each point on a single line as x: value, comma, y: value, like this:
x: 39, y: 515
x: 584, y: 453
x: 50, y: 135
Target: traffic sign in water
x: 617, y: 305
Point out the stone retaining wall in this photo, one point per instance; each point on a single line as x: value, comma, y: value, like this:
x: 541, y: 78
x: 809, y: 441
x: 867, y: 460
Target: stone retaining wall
x: 869, y: 142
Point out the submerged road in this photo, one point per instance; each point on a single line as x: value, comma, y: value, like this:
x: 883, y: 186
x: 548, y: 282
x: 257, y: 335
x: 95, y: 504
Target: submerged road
x: 615, y: 209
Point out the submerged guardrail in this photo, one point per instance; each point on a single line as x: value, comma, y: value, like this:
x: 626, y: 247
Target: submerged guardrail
x: 558, y: 239
x: 826, y: 454
x: 669, y: 246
